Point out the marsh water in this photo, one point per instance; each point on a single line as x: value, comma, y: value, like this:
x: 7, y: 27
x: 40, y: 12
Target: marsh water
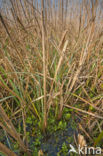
x: 54, y: 144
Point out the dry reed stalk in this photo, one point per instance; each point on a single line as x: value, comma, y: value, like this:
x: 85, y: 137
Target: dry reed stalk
x: 37, y: 17
x: 26, y: 10
x: 19, y: 55
x: 85, y: 112
x: 94, y: 9
x: 54, y: 13
x: 60, y: 59
x: 91, y: 104
x: 66, y: 13
x: 82, y: 61
x: 81, y: 140
x: 56, y: 72
x: 80, y: 19
x: 6, y: 150
x: 62, y: 14
x: 44, y: 66
x: 23, y: 10
x: 40, y: 153
x: 82, y: 129
x: 41, y: 97
x: 10, y: 128
x: 62, y: 40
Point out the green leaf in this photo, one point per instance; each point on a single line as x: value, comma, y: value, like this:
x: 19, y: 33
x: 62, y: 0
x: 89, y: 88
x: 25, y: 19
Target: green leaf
x: 6, y: 98
x: 99, y: 139
x: 29, y: 120
x: 67, y: 116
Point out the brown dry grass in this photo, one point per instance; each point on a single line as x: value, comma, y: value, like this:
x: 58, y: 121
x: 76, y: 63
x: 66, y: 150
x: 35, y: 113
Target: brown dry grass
x: 50, y: 57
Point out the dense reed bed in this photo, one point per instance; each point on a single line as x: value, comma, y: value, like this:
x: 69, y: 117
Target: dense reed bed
x: 51, y: 58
